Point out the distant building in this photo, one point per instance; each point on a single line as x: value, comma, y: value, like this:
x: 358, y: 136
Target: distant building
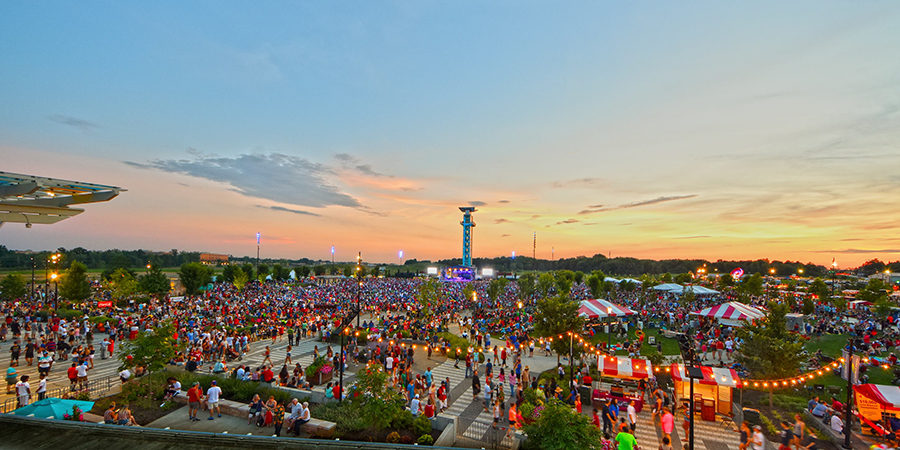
x: 213, y: 259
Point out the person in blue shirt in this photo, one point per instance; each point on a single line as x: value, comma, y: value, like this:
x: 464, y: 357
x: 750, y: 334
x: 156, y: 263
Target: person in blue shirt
x: 819, y: 410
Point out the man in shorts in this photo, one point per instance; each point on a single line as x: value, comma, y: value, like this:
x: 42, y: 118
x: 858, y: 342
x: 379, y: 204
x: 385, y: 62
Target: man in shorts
x: 194, y: 396
x: 212, y: 399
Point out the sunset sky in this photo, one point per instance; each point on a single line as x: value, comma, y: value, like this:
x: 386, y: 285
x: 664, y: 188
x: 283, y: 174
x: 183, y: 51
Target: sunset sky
x: 717, y: 130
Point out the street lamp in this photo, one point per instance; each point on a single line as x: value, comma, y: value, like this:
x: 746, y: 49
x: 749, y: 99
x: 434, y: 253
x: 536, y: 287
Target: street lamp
x: 833, y: 273
x: 358, y: 292
x: 55, y: 285
x: 609, y: 329
x: 32, y: 278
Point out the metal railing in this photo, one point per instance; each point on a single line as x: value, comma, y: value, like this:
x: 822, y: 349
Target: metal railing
x: 93, y: 388
x: 484, y: 435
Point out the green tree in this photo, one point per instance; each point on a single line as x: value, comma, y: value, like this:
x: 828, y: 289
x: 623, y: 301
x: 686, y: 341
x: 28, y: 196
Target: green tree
x: 628, y: 286
x: 194, y: 276
x: 883, y: 308
x: 262, y: 272
x: 75, y: 285
x: 555, y: 316
x: 769, y: 350
x: 302, y: 271
x: 240, y: 279
x: 808, y: 306
x: 430, y: 294
x: 726, y: 281
x: 152, y: 349
x: 545, y: 285
x: 564, y: 285
x: 13, y: 287
x: 595, y: 284
x: 249, y: 271
x: 579, y: 277
x: 526, y: 286
x: 279, y: 273
x: 121, y: 284
x: 820, y: 289
x: 319, y: 270
x: 154, y: 282
x: 228, y: 273
x: 666, y: 277
x: 562, y: 428
x: 683, y: 278
x: 468, y: 292
x: 348, y: 271
x: 875, y: 291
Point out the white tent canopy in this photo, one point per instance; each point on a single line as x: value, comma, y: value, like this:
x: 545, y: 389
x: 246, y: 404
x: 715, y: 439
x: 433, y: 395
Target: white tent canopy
x: 668, y: 287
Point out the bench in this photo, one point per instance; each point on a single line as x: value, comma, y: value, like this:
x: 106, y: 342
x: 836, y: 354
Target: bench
x: 316, y: 427
x: 671, y: 334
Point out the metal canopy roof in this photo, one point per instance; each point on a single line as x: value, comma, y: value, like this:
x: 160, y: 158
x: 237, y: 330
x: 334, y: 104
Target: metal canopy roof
x: 30, y: 199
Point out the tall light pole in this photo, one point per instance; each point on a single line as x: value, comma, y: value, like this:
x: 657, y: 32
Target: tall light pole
x: 332, y: 258
x: 771, y: 274
x: 400, y: 256
x: 358, y: 292
x: 848, y: 425
x: 257, y: 255
x: 833, y: 274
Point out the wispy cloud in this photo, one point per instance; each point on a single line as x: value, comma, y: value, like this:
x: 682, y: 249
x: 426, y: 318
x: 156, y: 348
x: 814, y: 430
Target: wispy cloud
x: 578, y: 183
x: 499, y: 221
x: 295, y: 211
x: 503, y: 201
x: 277, y: 177
x: 477, y: 203
x: 657, y: 200
x: 74, y: 122
x: 568, y: 221
x: 351, y: 162
x: 693, y: 237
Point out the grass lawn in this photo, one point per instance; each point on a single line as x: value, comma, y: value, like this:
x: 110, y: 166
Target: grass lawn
x: 830, y: 344
x: 669, y: 346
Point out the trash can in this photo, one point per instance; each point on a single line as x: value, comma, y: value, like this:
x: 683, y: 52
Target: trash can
x: 708, y: 412
x: 751, y: 415
x: 585, y: 392
x: 651, y: 340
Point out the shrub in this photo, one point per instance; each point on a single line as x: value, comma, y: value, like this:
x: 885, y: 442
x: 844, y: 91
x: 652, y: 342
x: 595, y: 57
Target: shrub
x: 457, y: 344
x: 314, y: 368
x: 421, y: 426
x: 426, y: 439
x: 406, y: 440
x: 402, y: 420
x: 393, y: 438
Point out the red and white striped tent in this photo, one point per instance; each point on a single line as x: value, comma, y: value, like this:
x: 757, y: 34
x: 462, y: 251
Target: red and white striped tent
x: 731, y: 313
x: 621, y: 367
x: 602, y: 309
x: 712, y: 376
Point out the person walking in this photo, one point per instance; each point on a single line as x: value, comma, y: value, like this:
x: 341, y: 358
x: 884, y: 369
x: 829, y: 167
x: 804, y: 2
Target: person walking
x: 194, y: 396
x: 212, y: 399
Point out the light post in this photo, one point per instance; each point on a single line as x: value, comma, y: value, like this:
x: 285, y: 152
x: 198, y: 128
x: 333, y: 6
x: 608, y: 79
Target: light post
x: 332, y: 258
x: 257, y: 254
x: 609, y: 330
x: 358, y: 293
x: 571, y: 358
x: 53, y: 277
x: 833, y: 274
x: 771, y: 274
x: 847, y: 417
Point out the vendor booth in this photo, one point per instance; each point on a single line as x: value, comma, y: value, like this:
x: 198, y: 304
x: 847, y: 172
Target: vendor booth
x: 602, y: 309
x: 877, y: 403
x: 712, y: 394
x: 731, y: 313
x: 624, y: 388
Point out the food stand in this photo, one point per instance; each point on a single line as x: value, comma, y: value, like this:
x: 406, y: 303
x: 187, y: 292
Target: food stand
x: 627, y: 370
x: 716, y: 386
x: 877, y: 403
x: 731, y: 313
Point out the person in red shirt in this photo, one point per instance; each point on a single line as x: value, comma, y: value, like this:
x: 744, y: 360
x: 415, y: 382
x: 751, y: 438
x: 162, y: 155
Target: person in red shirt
x: 596, y: 418
x: 73, y: 375
x: 268, y: 375
x: 194, y: 396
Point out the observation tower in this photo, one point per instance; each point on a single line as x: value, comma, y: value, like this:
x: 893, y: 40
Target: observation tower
x: 467, y: 225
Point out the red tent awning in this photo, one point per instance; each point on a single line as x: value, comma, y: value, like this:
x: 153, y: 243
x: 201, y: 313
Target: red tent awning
x: 621, y: 367
x: 714, y: 376
x: 602, y: 308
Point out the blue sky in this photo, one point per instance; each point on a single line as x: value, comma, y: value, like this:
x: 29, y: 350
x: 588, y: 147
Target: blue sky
x: 688, y: 129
